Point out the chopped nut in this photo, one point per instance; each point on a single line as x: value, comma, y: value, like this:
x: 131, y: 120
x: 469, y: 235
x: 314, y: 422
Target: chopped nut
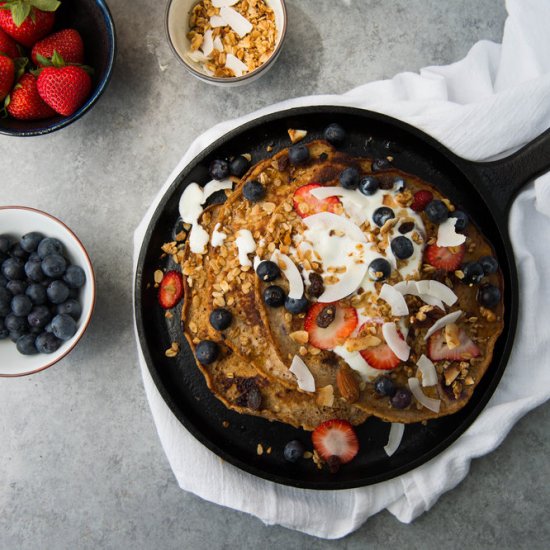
x: 469, y: 381
x: 300, y: 336
x: 259, y: 449
x: 362, y: 342
x: 487, y: 314
x: 325, y: 396
x: 347, y: 382
x: 296, y: 135
x: 158, y: 276
x: 450, y: 375
x: 451, y: 336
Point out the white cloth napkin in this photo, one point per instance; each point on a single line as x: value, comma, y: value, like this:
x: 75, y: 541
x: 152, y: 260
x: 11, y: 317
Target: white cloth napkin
x: 492, y: 101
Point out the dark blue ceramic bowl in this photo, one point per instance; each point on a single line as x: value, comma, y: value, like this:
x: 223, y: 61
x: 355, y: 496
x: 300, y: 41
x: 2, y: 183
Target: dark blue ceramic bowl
x: 93, y: 20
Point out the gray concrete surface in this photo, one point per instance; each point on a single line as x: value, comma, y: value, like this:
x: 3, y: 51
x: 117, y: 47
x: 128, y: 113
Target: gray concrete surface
x: 80, y: 462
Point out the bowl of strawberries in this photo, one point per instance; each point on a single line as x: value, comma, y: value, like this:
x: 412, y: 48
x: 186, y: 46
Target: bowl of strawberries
x: 56, y: 59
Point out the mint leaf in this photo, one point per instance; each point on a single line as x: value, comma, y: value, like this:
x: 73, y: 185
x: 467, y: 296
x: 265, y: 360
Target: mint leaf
x: 45, y: 5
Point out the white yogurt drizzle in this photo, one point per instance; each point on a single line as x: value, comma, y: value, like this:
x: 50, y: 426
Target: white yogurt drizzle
x: 246, y: 245
x: 218, y: 237
x: 357, y: 362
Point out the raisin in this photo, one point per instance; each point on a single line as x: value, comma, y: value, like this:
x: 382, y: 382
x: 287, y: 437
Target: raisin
x: 316, y: 286
x: 254, y: 398
x: 325, y: 318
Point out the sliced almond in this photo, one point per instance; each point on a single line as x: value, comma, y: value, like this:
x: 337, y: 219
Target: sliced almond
x: 451, y: 375
x: 325, y: 396
x: 300, y: 336
x: 348, y: 386
x: 451, y: 336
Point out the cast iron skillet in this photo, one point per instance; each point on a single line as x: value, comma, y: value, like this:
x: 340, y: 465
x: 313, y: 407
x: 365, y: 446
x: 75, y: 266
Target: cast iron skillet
x: 484, y: 191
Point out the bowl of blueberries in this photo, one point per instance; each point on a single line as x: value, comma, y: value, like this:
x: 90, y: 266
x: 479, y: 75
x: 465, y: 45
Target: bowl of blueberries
x: 47, y: 290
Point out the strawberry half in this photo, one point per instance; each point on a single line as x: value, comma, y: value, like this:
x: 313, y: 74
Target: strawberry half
x: 421, y: 199
x: 379, y: 357
x: 26, y: 23
x: 344, y: 323
x: 8, y: 46
x: 336, y: 437
x: 438, y: 349
x: 171, y: 289
x: 25, y: 103
x: 441, y: 257
x: 306, y: 204
x: 7, y: 75
x: 67, y: 43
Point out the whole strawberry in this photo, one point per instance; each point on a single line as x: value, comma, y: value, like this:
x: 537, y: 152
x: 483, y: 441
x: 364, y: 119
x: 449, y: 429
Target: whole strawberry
x: 63, y: 87
x: 8, y: 46
x: 28, y: 20
x: 67, y: 43
x: 7, y: 75
x: 24, y: 102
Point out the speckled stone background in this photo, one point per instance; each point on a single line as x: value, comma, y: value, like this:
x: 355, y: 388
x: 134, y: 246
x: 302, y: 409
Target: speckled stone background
x: 80, y: 462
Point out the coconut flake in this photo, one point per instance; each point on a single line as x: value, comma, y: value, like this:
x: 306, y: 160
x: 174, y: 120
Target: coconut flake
x: 223, y: 3
x: 442, y: 292
x: 304, y: 378
x: 197, y: 56
x: 445, y: 320
x: 215, y: 185
x: 411, y: 287
x: 236, y: 21
x: 422, y: 398
x: 328, y: 220
x: 427, y: 368
x: 246, y: 245
x: 235, y: 64
x: 217, y: 21
x: 394, y: 438
x: 218, y: 44
x: 288, y: 267
x: 395, y: 299
x: 207, y: 43
x: 447, y: 235
x: 395, y: 342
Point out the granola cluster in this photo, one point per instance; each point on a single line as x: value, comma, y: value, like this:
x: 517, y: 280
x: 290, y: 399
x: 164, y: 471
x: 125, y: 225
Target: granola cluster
x: 253, y: 49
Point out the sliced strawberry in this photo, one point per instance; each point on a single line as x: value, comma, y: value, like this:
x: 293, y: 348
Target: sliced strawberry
x: 441, y: 257
x: 438, y: 349
x: 381, y: 357
x: 306, y: 204
x: 335, y: 334
x: 421, y: 199
x: 171, y: 289
x: 336, y: 437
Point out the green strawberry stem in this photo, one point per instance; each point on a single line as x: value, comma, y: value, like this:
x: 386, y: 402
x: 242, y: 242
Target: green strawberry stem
x: 20, y: 65
x: 58, y: 62
x: 21, y: 9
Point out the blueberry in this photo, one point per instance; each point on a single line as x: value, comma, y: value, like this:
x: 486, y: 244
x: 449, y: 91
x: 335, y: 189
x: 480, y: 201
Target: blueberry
x: 462, y: 219
x: 48, y: 327
x: 29, y: 242
x: 25, y: 344
x: 488, y: 296
x: 402, y: 247
x: 37, y: 293
x: 17, y: 287
x: 384, y: 386
x: 349, y: 178
x: 296, y: 305
x: 15, y: 335
x: 4, y: 332
x: 369, y: 185
x: 473, y: 273
x: 220, y: 318
x: 274, y: 296
x: 13, y: 268
x: 406, y: 227
x: 437, y: 211
x: 21, y: 305
x: 74, y: 293
x: 5, y: 244
x: 254, y: 191
x: 17, y: 252
x: 3, y: 281
x: 16, y: 324
x: 294, y: 450
x: 74, y: 276
x: 46, y: 342
x: 239, y: 166
x: 33, y: 270
x: 489, y: 264
x: 401, y: 399
x: 298, y: 154
x: 380, y: 164
x: 39, y: 317
x: 207, y: 352
x: 334, y: 133
x: 219, y: 169
x: 54, y: 265
x: 379, y: 269
x: 63, y: 326
x: 268, y: 271
x: 71, y: 307
x: 382, y: 215
x: 5, y: 301
x: 57, y: 292
x: 48, y: 246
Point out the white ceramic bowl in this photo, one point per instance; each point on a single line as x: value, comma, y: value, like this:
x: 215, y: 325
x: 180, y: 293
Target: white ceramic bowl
x: 16, y: 221
x: 177, y: 27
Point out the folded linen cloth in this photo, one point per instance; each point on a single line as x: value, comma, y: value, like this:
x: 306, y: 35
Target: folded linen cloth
x: 492, y: 101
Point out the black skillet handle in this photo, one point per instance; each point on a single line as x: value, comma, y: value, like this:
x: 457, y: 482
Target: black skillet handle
x: 502, y: 179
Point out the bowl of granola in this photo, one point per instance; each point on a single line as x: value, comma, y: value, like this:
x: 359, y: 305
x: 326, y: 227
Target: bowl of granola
x: 226, y: 42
